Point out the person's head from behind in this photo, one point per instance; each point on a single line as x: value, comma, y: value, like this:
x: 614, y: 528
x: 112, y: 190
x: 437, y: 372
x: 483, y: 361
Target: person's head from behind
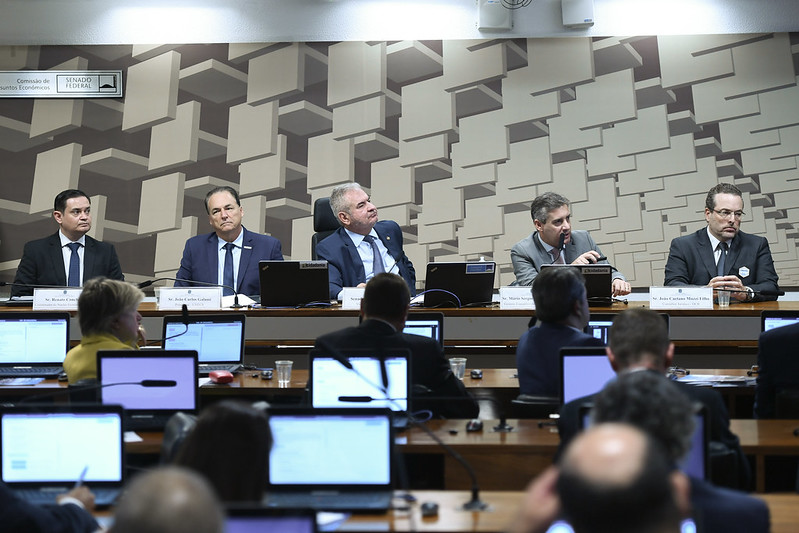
x: 614, y: 478
x: 230, y: 447
x: 639, y: 338
x: 651, y: 403
x: 353, y: 208
x: 386, y: 297
x: 72, y: 210
x: 552, y: 218
x: 168, y: 500
x: 108, y: 306
x: 560, y: 297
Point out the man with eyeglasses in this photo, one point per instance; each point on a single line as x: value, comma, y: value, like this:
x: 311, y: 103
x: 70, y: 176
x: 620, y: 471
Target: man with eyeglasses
x: 722, y: 256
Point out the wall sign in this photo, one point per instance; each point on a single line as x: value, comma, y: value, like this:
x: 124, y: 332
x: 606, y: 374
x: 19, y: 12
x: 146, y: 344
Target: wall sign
x: 61, y: 84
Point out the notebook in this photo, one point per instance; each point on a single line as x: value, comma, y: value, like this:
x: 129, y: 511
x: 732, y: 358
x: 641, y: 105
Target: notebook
x: 33, y: 344
x: 149, y: 407
x: 599, y: 325
x: 45, y: 448
x: 430, y: 325
x: 583, y: 371
x: 217, y: 339
x: 598, y: 286
x: 331, y: 384
x: 293, y: 283
x: 330, y: 459
x: 264, y: 519
x: 775, y: 319
x: 459, y: 284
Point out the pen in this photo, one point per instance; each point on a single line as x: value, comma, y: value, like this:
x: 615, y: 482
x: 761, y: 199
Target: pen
x: 82, y: 476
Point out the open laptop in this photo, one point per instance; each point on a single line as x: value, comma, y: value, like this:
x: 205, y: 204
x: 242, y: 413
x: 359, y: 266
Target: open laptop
x: 293, y: 283
x: 218, y: 339
x: 258, y: 519
x: 599, y: 325
x: 33, y: 344
x: 461, y: 284
x: 775, y: 319
x: 424, y: 324
x: 149, y: 407
x: 598, y: 286
x: 330, y: 459
x: 44, y: 450
x: 583, y: 371
x: 331, y: 384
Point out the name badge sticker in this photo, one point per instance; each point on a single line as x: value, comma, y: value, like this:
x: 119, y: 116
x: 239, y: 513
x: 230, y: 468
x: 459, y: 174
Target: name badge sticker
x: 743, y: 272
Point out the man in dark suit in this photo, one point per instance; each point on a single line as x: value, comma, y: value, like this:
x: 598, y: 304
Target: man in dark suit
x: 230, y: 254
x: 69, y: 257
x: 561, y: 309
x: 384, y: 309
x: 71, y: 515
x: 639, y: 340
x: 362, y: 247
x: 779, y: 368
x: 554, y: 242
x: 721, y: 255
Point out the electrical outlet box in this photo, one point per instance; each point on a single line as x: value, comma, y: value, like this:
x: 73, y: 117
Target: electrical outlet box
x: 493, y: 16
x: 578, y: 13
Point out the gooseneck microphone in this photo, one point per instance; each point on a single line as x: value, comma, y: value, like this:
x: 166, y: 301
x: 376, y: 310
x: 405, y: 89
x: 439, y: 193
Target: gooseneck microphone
x: 236, y: 304
x: 93, y: 384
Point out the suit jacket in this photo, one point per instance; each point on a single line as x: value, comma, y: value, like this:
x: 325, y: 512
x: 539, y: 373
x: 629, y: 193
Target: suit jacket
x: 42, y: 263
x: 722, y: 510
x: 529, y: 254
x: 779, y: 367
x: 537, y: 356
x: 429, y: 367
x: 691, y: 262
x: 201, y: 260
x: 345, y: 267
x: 19, y: 516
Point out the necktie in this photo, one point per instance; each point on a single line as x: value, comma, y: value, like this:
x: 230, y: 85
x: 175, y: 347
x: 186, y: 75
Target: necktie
x: 227, y: 273
x: 73, y: 278
x: 377, y: 264
x: 555, y: 253
x: 720, y: 268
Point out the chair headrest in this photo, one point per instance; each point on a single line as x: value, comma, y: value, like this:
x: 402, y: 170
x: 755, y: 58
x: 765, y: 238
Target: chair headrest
x: 323, y: 217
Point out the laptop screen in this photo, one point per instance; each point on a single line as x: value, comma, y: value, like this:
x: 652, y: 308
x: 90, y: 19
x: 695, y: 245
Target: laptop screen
x: 430, y: 325
x: 775, y: 319
x: 329, y: 380
x: 216, y: 338
x: 335, y: 448
x: 599, y: 325
x: 124, y: 366
x: 261, y: 519
x: 34, y: 338
x: 459, y: 284
x: 584, y: 371
x: 54, y: 446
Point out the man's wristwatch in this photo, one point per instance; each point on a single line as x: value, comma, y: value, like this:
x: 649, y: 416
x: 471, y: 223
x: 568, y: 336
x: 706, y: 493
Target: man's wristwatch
x: 750, y: 294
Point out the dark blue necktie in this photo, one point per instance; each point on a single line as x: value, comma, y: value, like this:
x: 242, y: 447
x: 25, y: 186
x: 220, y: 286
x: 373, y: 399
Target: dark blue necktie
x: 377, y: 263
x: 73, y: 278
x: 227, y: 273
x: 720, y: 268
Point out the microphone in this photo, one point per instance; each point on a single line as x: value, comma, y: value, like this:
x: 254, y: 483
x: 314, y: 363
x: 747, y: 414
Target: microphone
x: 154, y: 383
x: 236, y: 304
x: 32, y: 286
x: 92, y: 384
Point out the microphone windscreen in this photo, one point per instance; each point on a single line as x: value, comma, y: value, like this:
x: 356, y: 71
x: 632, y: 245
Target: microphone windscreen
x: 159, y: 383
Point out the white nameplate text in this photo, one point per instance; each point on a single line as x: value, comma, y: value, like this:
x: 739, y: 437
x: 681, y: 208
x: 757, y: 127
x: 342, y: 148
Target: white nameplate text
x: 56, y: 299
x: 351, y: 297
x: 516, y: 298
x: 680, y: 298
x: 170, y: 298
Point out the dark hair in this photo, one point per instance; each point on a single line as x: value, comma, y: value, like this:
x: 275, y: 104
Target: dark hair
x: 653, y: 404
x: 230, y: 446
x: 101, y: 302
x: 555, y: 290
x: 721, y: 188
x: 386, y: 296
x: 645, y: 504
x: 60, y: 203
x: 638, y: 334
x: 223, y: 188
x: 544, y: 203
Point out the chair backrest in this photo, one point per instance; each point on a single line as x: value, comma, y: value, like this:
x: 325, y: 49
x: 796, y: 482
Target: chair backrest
x: 177, y: 429
x: 527, y: 406
x: 324, y: 223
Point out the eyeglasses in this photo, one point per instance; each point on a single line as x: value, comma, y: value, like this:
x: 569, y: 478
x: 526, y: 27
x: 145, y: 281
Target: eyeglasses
x: 725, y: 213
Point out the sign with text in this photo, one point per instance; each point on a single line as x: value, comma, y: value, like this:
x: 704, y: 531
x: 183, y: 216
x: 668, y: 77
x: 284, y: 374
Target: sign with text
x: 351, y: 297
x: 173, y: 298
x: 56, y: 299
x: 516, y: 298
x: 61, y: 84
x: 680, y: 298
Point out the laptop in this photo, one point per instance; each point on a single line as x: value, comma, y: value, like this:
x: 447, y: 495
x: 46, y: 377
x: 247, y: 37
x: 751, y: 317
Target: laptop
x: 459, y: 284
x: 775, y: 319
x: 331, y: 384
x: 44, y: 450
x: 33, y: 344
x: 330, y: 459
x: 583, y: 371
x: 293, y: 283
x: 149, y: 407
x: 218, y: 339
x: 599, y: 325
x: 251, y: 519
x: 598, y: 286
x: 424, y: 324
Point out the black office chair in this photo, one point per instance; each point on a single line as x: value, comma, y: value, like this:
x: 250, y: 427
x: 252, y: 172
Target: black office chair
x: 527, y: 406
x: 177, y: 429
x: 324, y: 223
x: 84, y: 391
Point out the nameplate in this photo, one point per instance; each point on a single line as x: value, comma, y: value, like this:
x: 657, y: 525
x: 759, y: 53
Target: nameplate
x: 680, y: 298
x: 516, y: 298
x: 351, y: 297
x: 171, y: 298
x: 56, y: 299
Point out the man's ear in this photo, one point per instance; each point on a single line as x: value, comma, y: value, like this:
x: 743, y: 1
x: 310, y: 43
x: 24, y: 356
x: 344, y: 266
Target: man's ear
x: 669, y: 359
x: 58, y: 216
x: 612, y: 359
x: 343, y: 218
x: 681, y: 488
x: 537, y: 225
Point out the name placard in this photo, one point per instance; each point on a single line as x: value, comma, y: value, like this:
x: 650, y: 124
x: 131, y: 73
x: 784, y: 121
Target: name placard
x: 351, y: 297
x: 173, y: 298
x: 680, y: 298
x: 61, y: 84
x: 56, y: 299
x: 516, y: 298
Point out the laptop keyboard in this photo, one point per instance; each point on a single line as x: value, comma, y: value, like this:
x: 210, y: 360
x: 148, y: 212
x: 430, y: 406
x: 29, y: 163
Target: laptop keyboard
x: 30, y: 371
x: 146, y: 423
x: 102, y: 497
x: 334, y: 501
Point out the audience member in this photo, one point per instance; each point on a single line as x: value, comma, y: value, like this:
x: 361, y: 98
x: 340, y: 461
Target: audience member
x: 71, y: 515
x: 778, y: 370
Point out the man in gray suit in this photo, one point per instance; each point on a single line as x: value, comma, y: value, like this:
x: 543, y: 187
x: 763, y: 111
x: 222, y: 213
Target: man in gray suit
x: 554, y: 242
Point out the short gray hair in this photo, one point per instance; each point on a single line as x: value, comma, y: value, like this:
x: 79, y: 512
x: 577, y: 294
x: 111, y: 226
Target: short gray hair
x: 545, y: 203
x: 102, y: 301
x: 338, y: 198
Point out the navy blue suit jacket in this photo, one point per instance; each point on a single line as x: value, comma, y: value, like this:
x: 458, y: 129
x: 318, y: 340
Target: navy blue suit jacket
x: 19, y: 516
x: 201, y: 260
x: 779, y: 367
x: 691, y: 262
x: 42, y: 263
x: 537, y: 356
x: 345, y: 268
x: 722, y: 510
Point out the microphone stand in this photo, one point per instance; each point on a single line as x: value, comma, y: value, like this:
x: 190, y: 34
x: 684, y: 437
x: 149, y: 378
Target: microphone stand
x: 92, y: 384
x: 236, y: 304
